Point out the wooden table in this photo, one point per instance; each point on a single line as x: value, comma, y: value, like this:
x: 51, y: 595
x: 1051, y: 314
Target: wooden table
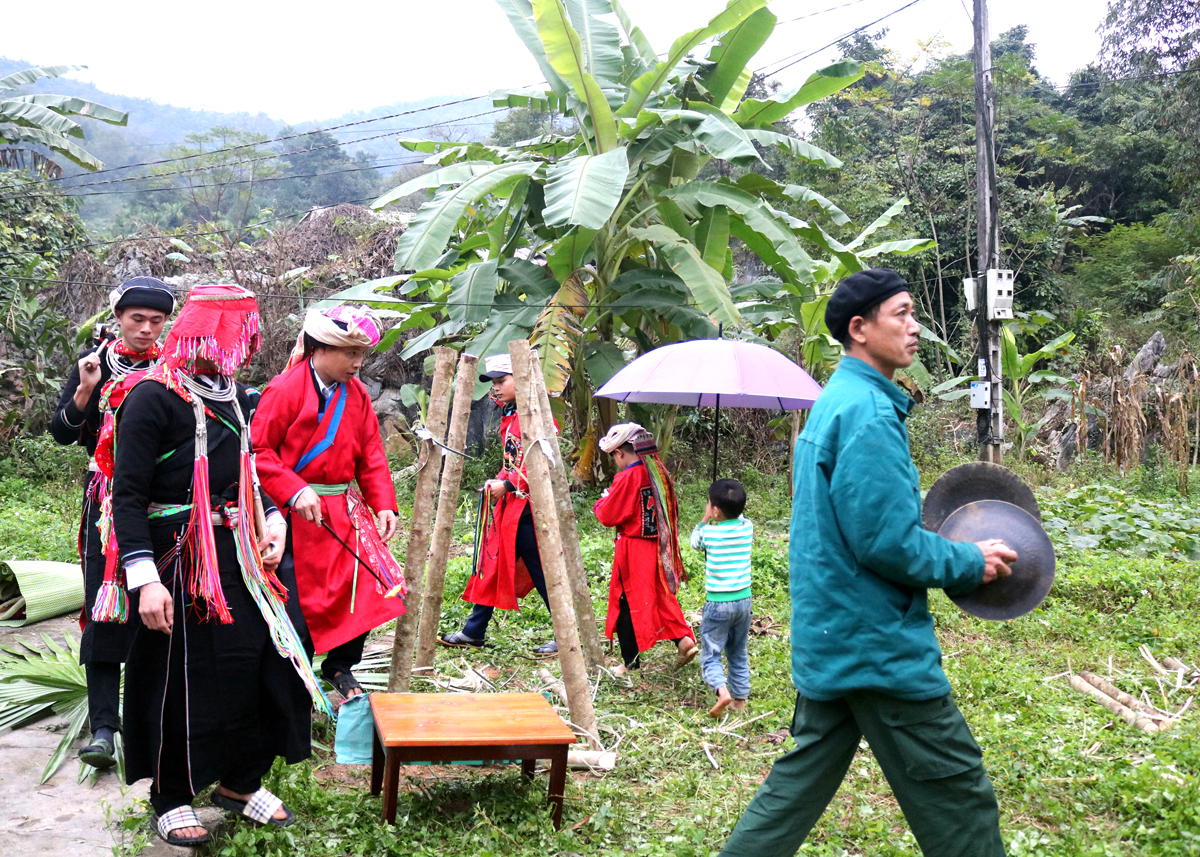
x: 453, y: 727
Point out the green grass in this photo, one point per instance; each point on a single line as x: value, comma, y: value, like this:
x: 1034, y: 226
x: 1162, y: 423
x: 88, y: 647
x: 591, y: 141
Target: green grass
x: 1070, y: 780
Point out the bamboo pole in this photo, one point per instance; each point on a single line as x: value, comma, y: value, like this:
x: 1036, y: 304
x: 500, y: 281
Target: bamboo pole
x: 537, y: 447
x: 428, y: 473
x: 1128, y: 701
x: 581, y: 593
x: 435, y: 576
x: 1125, y: 713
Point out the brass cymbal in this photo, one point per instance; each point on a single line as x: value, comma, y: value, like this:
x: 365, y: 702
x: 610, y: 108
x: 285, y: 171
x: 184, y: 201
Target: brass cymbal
x: 976, y: 480
x: 1032, y: 573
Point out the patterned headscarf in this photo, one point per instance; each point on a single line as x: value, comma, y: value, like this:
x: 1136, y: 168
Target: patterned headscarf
x: 220, y: 323
x: 341, y: 327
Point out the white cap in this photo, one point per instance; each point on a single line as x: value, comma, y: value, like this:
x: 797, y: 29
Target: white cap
x: 496, y: 366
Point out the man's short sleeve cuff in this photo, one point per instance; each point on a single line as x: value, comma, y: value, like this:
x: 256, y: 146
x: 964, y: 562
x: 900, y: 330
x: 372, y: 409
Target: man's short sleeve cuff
x: 140, y: 572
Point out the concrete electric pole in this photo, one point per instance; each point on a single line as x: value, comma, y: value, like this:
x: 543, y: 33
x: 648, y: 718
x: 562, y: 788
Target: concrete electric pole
x: 989, y: 282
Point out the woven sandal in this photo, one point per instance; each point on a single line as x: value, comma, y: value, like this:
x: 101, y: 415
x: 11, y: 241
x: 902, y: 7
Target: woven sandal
x: 180, y: 818
x: 261, y: 807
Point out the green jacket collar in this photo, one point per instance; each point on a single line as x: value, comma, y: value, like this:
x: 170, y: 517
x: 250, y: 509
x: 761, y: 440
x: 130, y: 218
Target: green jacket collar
x: 867, y: 372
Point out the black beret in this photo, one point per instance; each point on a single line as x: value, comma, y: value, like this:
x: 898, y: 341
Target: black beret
x: 148, y: 292
x: 856, y: 294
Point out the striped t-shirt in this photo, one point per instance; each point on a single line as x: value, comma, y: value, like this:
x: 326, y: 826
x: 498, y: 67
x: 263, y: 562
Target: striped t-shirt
x: 727, y: 557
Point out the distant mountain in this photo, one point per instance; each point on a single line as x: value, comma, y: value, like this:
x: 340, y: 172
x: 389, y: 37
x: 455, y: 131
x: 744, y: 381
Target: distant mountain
x: 154, y: 127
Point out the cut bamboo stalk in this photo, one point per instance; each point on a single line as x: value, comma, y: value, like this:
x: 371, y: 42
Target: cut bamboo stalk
x: 1129, y: 716
x: 592, y: 760
x: 439, y: 552
x: 428, y: 472
x: 1174, y: 664
x: 549, y: 682
x: 1124, y: 698
x: 536, y: 459
x: 581, y: 594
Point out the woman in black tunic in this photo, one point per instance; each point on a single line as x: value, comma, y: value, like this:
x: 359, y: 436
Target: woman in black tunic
x: 209, y: 695
x: 141, y: 305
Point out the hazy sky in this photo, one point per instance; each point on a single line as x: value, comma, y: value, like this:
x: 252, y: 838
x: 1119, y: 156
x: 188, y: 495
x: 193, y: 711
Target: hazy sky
x: 300, y: 62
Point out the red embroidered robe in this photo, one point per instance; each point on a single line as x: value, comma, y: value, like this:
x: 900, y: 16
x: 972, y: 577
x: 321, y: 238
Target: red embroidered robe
x: 501, y: 580
x: 328, y: 577
x: 629, y: 506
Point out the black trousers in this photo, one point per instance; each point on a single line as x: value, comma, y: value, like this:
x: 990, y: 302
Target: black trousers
x: 627, y: 637
x: 104, y: 696
x: 527, y: 550
x: 343, y: 658
x: 246, y: 781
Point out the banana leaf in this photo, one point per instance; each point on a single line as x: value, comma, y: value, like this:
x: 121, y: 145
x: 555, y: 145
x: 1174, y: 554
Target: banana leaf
x: 49, y: 588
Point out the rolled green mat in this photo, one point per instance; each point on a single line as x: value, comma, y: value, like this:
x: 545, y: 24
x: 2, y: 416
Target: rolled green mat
x: 49, y: 589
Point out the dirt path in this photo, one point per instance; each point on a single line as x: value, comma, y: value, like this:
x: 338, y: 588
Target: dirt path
x: 62, y: 818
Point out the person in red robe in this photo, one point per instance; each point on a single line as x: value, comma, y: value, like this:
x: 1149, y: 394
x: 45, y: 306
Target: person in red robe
x: 507, y: 564
x: 315, y: 432
x: 647, y: 567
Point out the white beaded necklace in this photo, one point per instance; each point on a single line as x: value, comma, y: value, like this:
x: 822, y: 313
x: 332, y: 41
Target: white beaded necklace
x: 226, y: 393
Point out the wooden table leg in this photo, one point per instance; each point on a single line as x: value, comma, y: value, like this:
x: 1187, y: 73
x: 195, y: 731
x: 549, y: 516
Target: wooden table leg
x: 391, y: 783
x: 527, y: 766
x: 558, y: 783
x: 376, y: 761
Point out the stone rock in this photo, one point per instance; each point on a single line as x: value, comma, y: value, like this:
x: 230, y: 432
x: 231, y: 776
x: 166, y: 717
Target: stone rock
x: 133, y: 263
x: 1147, y: 357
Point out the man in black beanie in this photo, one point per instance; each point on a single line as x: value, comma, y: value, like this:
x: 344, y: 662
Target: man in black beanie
x: 865, y: 660
x: 141, y: 307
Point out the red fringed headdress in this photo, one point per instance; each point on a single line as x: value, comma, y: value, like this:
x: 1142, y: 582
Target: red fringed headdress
x: 218, y: 323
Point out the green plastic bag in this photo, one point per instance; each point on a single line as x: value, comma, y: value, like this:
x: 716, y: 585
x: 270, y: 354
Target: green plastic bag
x: 352, y: 742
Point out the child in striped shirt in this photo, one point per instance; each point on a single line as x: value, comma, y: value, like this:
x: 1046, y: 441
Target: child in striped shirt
x: 726, y: 538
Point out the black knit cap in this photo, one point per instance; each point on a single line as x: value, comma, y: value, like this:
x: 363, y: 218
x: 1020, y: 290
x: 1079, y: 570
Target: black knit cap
x: 857, y: 294
x: 148, y: 292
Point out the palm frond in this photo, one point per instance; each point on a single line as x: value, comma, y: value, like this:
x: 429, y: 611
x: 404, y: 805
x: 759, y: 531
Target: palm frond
x: 37, y: 681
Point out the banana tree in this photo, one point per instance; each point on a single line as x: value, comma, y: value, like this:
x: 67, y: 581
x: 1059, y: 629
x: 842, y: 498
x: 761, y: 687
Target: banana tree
x: 1021, y: 379
x: 40, y: 119
x: 606, y: 241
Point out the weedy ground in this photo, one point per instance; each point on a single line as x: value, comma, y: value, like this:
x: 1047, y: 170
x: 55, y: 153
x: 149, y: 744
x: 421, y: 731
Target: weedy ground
x: 1070, y: 780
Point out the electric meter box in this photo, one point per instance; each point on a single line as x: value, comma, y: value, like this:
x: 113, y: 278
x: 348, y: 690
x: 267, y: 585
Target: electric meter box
x: 999, y: 294
x: 981, y: 395
x: 969, y: 291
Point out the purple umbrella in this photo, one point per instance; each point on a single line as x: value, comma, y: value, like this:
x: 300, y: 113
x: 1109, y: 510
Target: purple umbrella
x: 711, y: 373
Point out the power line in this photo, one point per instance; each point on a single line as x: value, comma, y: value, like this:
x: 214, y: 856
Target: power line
x: 856, y: 30
x: 294, y: 136
x: 199, y: 234
x: 265, y: 157
x: 382, y: 298
x: 263, y: 180
x: 822, y: 12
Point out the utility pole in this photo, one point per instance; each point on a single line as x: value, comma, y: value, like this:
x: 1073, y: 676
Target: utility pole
x: 989, y: 420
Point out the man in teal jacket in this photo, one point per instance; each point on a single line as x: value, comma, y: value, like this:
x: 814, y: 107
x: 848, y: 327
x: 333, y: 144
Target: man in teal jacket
x: 865, y: 659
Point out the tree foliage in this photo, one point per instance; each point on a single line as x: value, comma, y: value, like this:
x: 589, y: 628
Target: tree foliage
x: 38, y: 227
x: 612, y: 234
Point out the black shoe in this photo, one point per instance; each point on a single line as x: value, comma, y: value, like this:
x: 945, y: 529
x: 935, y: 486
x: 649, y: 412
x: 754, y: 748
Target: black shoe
x: 100, y: 753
